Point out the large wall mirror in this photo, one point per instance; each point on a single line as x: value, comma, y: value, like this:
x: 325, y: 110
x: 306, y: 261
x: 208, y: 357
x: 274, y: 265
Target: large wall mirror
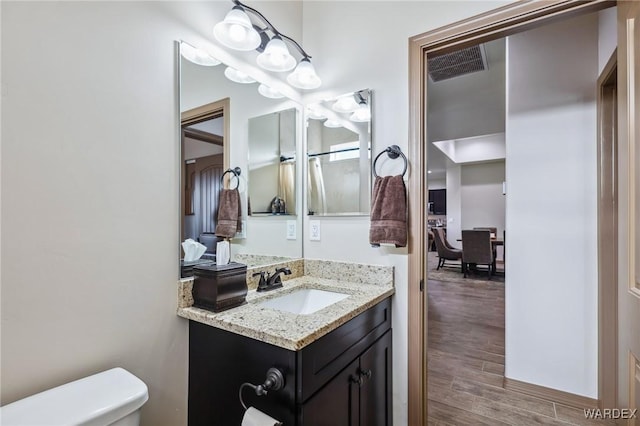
x: 218, y: 121
x: 339, y: 155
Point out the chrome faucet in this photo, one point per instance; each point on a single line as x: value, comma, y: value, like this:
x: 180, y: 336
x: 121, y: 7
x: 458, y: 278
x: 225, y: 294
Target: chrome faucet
x: 271, y: 282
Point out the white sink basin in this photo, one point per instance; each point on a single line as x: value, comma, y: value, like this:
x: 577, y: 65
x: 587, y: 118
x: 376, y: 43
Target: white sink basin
x: 304, y: 301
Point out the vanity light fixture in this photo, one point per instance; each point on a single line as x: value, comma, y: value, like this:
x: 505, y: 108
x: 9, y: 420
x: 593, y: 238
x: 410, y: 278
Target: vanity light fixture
x: 237, y: 31
x: 315, y: 113
x: 268, y: 92
x: 197, y: 56
x: 238, y: 76
x: 334, y: 124
x: 276, y: 56
x: 304, y: 76
x: 362, y: 114
x: 345, y: 104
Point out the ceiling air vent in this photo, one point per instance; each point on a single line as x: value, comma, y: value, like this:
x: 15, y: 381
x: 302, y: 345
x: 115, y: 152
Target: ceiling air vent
x: 465, y: 61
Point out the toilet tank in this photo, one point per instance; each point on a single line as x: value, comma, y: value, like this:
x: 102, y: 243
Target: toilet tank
x: 99, y: 400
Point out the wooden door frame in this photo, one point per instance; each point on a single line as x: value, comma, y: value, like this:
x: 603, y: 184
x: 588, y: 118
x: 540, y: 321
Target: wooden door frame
x: 197, y: 115
x: 607, y: 235
x: 628, y: 196
x: 501, y: 22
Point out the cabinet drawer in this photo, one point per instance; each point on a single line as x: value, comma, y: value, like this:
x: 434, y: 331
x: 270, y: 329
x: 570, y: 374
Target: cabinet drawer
x: 327, y: 356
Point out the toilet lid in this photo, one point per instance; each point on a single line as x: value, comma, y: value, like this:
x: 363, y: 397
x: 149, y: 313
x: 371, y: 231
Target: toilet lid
x: 100, y: 399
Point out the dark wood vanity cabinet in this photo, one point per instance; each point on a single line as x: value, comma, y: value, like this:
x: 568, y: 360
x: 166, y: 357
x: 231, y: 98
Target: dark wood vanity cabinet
x: 343, y: 378
x: 359, y: 395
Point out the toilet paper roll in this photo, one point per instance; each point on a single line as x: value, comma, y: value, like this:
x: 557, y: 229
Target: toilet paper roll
x: 255, y: 417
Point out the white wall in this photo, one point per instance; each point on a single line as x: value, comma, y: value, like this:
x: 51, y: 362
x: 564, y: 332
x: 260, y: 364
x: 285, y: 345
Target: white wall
x: 480, y: 148
x: 264, y: 154
x: 551, y: 282
x: 196, y: 149
x: 437, y: 184
x: 482, y: 201
x: 607, y: 35
x: 357, y: 47
x: 454, y: 203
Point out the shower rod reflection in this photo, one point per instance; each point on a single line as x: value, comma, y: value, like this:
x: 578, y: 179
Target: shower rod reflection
x: 335, y: 152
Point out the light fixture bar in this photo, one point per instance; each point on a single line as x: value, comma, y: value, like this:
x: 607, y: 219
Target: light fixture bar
x: 271, y: 28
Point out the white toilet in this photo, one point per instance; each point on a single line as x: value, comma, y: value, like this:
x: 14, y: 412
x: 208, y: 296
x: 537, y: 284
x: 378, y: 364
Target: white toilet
x: 111, y: 398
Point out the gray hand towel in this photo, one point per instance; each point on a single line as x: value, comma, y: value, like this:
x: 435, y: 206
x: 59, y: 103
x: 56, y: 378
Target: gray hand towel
x: 229, y: 215
x: 388, y: 212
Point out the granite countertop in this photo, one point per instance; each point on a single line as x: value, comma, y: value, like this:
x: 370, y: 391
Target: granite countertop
x: 284, y: 329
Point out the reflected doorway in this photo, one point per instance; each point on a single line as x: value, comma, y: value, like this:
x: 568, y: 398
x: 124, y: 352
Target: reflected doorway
x: 204, y: 156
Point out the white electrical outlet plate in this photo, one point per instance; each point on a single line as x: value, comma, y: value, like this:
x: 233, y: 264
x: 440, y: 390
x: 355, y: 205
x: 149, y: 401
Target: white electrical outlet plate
x: 291, y: 230
x: 314, y: 230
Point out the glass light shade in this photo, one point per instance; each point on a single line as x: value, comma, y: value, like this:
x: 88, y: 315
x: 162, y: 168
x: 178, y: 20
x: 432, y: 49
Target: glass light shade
x: 332, y: 124
x: 315, y: 113
x: 362, y: 114
x: 237, y: 76
x: 268, y: 92
x: 197, y: 56
x: 304, y: 76
x: 276, y: 56
x: 345, y: 104
x: 236, y: 31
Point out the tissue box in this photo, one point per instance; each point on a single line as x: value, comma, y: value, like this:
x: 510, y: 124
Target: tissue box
x: 186, y: 268
x: 219, y: 288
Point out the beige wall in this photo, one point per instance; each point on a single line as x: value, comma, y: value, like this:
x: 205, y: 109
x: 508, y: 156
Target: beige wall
x: 90, y: 193
x: 89, y: 200
x: 481, y: 198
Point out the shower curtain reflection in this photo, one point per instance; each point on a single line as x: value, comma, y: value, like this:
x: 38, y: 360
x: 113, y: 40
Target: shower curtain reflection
x: 286, y: 184
x: 315, y: 187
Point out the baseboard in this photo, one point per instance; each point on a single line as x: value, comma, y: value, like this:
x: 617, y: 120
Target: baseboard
x: 561, y: 397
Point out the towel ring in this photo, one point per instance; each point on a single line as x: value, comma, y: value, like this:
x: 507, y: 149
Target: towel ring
x: 393, y: 152
x: 236, y: 173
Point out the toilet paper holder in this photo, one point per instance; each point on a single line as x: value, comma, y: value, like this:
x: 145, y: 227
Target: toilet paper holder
x: 273, y: 382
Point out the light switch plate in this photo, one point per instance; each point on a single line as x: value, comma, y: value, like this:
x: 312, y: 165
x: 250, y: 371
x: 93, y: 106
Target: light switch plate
x: 314, y: 230
x: 291, y: 230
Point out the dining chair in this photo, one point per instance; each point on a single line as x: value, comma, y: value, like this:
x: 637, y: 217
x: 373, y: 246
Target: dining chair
x: 491, y: 229
x: 494, y: 234
x: 445, y: 251
x: 430, y: 238
x: 477, y: 250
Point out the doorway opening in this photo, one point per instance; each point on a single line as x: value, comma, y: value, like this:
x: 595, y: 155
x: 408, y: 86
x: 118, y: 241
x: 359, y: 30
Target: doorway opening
x: 204, y: 159
x: 501, y: 22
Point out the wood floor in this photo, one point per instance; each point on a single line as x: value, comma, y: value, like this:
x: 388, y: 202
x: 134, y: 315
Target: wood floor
x: 466, y: 362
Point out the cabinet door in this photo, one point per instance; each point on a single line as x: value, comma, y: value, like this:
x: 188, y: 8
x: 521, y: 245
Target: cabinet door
x: 375, y: 392
x: 336, y: 404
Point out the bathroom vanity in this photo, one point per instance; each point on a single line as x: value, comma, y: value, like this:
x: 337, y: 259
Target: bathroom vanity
x: 336, y: 362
